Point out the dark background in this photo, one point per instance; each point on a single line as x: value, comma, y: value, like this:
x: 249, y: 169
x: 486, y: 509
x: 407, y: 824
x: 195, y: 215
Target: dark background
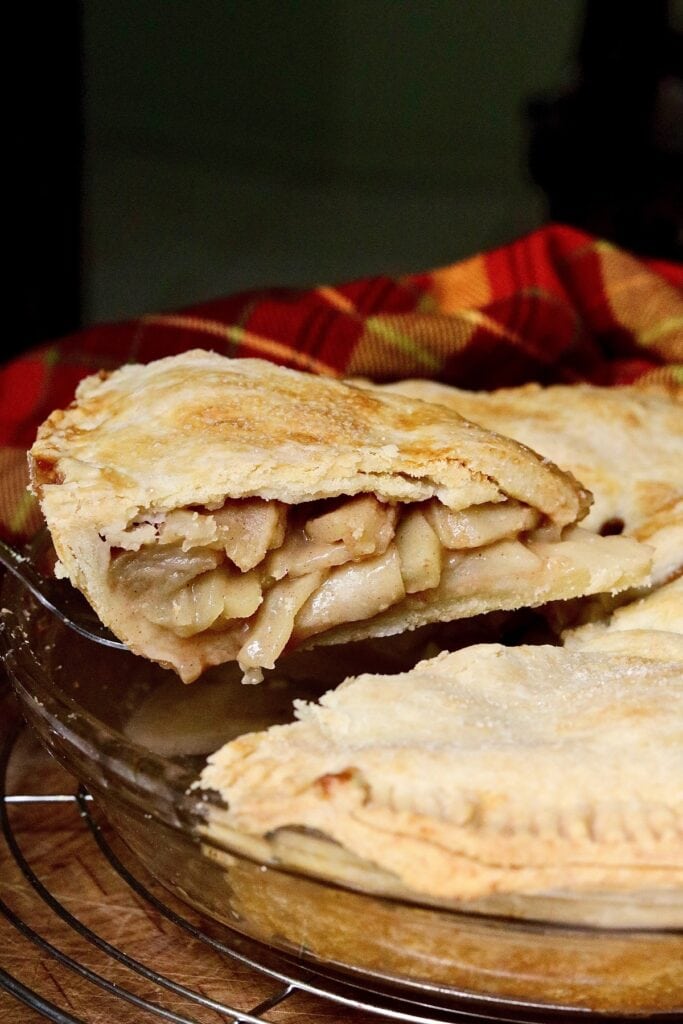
x: 168, y: 151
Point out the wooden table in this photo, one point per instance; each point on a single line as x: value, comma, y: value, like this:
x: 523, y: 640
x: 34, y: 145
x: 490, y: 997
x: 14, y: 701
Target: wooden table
x: 63, y: 854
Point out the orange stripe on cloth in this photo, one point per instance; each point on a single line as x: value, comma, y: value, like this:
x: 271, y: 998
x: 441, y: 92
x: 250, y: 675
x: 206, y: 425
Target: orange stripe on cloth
x: 487, y: 323
x: 419, y: 343
x: 408, y: 343
x: 335, y: 299
x: 461, y: 285
x: 644, y: 303
x: 239, y: 336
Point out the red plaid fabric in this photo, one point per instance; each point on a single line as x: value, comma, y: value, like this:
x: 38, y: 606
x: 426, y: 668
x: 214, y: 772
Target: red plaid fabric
x: 555, y: 306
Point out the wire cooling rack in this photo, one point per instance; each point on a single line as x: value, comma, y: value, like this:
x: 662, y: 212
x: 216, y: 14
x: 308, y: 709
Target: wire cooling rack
x: 288, y: 977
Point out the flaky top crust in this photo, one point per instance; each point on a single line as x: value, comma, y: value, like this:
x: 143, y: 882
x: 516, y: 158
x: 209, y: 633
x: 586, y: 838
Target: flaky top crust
x: 647, y: 625
x: 498, y: 770
x: 625, y: 444
x: 199, y: 427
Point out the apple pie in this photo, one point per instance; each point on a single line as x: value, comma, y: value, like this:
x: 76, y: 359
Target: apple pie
x: 216, y: 509
x: 491, y: 770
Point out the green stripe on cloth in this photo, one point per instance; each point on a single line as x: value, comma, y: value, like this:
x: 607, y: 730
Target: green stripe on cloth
x: 51, y: 355
x: 404, y: 342
x: 666, y: 326
x: 24, y: 511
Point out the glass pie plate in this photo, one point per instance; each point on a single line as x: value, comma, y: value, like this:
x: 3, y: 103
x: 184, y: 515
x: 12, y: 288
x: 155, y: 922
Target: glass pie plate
x: 137, y: 738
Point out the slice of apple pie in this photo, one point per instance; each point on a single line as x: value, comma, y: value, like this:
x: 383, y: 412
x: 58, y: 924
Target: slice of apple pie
x: 216, y: 509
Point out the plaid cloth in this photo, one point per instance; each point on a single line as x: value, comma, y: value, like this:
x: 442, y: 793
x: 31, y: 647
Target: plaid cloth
x: 555, y: 306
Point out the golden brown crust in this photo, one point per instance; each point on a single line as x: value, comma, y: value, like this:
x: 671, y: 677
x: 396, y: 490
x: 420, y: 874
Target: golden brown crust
x: 625, y: 444
x: 195, y: 429
x: 647, y: 626
x: 498, y: 770
x: 663, y: 534
x: 198, y: 427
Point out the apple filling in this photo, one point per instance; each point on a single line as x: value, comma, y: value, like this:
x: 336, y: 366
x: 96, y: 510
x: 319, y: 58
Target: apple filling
x: 273, y: 575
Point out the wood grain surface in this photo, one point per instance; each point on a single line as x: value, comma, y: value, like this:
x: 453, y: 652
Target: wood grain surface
x: 61, y: 851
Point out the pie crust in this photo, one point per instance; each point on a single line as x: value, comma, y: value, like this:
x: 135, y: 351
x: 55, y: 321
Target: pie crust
x: 216, y: 509
x: 650, y: 627
x: 625, y: 444
x: 497, y: 770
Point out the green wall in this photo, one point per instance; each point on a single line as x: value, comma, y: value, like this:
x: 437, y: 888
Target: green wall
x: 213, y: 116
